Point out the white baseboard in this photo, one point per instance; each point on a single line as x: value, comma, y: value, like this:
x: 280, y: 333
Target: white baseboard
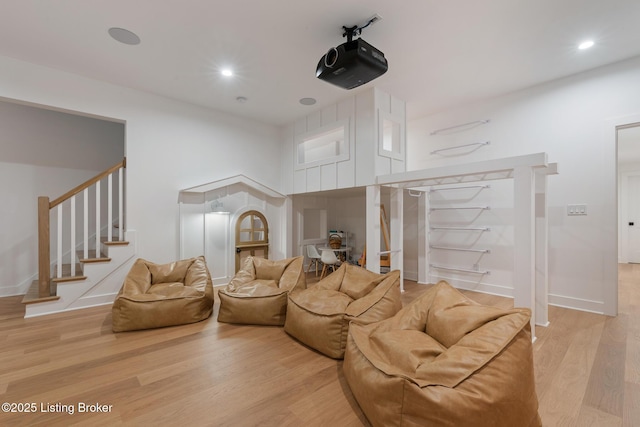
x: 467, y: 285
x: 576, y: 303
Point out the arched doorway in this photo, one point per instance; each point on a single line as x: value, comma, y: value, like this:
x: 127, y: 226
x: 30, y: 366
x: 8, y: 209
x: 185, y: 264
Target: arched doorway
x: 252, y: 237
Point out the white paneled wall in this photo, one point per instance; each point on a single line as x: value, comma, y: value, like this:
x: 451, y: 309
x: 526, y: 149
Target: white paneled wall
x: 360, y: 157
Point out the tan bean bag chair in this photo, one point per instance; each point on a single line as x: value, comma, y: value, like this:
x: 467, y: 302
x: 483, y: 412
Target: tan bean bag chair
x: 157, y: 295
x: 257, y: 294
x: 319, y: 316
x: 444, y: 360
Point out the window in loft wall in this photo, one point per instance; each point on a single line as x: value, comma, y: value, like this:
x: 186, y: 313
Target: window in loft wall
x: 328, y: 144
x: 390, y: 137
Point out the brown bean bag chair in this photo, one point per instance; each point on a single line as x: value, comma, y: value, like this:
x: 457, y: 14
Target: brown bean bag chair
x: 157, y: 295
x: 444, y: 360
x: 319, y: 316
x: 257, y: 294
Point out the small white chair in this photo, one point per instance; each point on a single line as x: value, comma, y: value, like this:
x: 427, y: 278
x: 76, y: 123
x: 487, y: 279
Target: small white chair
x: 328, y: 259
x: 314, y: 257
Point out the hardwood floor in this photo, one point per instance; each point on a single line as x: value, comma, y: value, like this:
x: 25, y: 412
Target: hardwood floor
x: 215, y: 374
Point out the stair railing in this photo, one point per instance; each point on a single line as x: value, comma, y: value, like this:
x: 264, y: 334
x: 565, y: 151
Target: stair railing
x: 45, y: 208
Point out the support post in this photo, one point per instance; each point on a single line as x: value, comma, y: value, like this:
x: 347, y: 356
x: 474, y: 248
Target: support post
x: 524, y: 241
x: 373, y: 228
x: 44, y: 254
x: 542, y: 252
x: 396, y: 228
x: 423, y: 238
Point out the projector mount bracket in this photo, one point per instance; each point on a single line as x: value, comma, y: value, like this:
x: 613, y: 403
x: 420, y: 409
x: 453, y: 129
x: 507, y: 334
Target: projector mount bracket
x: 350, y: 32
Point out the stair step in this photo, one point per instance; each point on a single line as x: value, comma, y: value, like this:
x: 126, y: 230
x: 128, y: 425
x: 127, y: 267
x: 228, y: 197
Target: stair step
x: 92, y: 257
x: 114, y: 242
x: 33, y: 294
x: 66, y: 274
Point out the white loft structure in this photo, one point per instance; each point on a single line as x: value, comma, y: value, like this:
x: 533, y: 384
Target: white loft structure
x: 529, y: 174
x: 360, y: 144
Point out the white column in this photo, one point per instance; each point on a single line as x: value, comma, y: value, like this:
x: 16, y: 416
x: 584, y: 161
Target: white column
x: 373, y: 228
x: 288, y: 231
x: 524, y: 241
x: 396, y: 228
x: 423, y: 238
x: 541, y: 245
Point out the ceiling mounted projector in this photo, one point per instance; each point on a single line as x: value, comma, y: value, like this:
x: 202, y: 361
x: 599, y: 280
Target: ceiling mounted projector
x: 353, y: 63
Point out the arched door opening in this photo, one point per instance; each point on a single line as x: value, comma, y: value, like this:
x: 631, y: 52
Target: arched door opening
x: 252, y: 237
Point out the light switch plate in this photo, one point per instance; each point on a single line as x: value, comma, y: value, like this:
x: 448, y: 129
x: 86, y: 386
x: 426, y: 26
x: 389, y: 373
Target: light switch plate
x: 573, y: 210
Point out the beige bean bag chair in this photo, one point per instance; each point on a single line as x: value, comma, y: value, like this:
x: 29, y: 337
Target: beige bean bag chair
x: 257, y: 294
x: 444, y: 360
x: 157, y: 295
x: 319, y: 316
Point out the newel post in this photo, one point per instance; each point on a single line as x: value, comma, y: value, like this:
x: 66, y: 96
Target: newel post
x: 44, y: 273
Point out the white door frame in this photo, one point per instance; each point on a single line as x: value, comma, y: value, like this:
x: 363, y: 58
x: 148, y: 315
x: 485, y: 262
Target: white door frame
x: 610, y: 136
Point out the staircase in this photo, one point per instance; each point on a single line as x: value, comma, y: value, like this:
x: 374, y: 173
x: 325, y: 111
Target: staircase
x: 91, y: 270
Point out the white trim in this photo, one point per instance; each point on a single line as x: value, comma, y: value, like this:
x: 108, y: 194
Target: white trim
x: 237, y: 179
x: 610, y: 138
x: 577, y: 304
x: 467, y: 172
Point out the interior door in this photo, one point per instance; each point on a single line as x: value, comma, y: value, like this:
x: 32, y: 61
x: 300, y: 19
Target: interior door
x: 252, y: 237
x: 633, y: 223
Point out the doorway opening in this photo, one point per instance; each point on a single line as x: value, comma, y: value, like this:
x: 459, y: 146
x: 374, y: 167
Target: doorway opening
x: 252, y: 237
x: 628, y: 167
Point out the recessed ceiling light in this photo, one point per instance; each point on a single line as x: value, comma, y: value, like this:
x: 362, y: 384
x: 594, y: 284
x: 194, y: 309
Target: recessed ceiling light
x: 586, y: 44
x: 124, y: 36
x: 227, y: 72
x: 307, y: 101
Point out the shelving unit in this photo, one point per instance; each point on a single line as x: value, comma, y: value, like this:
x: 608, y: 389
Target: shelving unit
x: 528, y: 278
x: 475, y: 269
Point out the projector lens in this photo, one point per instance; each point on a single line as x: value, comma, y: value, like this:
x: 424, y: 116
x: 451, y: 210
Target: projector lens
x: 331, y: 57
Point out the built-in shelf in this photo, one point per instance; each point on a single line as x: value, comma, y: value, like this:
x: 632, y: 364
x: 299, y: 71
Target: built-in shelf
x: 448, y: 248
x: 458, y: 269
x: 462, y: 228
x: 461, y: 127
x: 445, y: 208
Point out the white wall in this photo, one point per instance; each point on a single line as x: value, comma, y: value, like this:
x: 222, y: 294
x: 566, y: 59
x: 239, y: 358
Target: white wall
x: 570, y: 119
x: 169, y: 145
x: 43, y: 153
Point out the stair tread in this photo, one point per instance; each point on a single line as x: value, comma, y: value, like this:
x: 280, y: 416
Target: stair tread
x: 68, y: 279
x: 114, y: 241
x: 33, y: 294
x: 92, y: 257
x: 66, y: 274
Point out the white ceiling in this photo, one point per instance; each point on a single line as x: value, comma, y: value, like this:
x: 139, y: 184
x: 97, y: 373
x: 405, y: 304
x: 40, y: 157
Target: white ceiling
x: 441, y: 53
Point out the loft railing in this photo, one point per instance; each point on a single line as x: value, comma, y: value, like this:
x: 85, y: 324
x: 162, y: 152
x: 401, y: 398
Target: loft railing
x: 90, y: 210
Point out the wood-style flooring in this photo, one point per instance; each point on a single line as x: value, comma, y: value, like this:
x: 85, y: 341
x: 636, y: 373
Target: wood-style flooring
x: 216, y: 374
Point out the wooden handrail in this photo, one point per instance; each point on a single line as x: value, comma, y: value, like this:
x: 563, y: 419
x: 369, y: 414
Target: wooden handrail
x: 88, y: 183
x: 44, y: 207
